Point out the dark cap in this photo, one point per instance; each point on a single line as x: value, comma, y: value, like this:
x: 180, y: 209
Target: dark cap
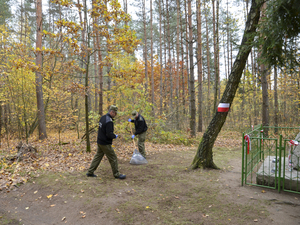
x: 113, y: 108
x: 134, y: 113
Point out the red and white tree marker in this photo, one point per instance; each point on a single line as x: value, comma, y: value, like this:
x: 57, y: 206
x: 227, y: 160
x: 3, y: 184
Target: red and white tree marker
x: 223, y: 107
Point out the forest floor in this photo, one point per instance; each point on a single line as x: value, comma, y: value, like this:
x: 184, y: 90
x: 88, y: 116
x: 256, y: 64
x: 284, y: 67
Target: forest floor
x: 164, y: 191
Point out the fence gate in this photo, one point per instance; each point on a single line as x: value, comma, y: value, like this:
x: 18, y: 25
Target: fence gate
x: 270, y: 160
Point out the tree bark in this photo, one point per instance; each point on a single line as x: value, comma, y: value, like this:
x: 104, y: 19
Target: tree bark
x: 199, y: 65
x: 100, y: 71
x: 187, y: 50
x: 204, y: 155
x: 39, y: 79
x: 160, y: 59
x: 145, y: 48
x: 208, y: 62
x: 265, y: 96
x: 169, y: 53
x: 192, y: 79
x: 152, y: 72
x: 215, y: 57
x: 86, y: 42
x: 177, y: 64
x: 218, y: 50
x: 182, y: 67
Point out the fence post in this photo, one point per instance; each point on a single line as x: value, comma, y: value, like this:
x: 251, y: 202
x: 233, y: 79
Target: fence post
x: 261, y: 153
x: 243, y: 146
x: 280, y: 160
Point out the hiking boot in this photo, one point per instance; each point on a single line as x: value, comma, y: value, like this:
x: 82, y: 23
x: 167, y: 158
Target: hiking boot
x: 91, y: 175
x: 121, y: 176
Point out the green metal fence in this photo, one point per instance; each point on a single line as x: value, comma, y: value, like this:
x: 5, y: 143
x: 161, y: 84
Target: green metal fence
x: 269, y: 158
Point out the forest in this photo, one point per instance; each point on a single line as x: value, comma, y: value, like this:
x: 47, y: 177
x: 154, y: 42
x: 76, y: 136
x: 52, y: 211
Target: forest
x: 201, y: 73
x: 64, y: 62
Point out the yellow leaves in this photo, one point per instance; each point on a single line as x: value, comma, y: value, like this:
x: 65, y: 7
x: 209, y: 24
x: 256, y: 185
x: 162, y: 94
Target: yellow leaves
x: 49, y: 196
x: 95, y: 14
x: 66, y: 3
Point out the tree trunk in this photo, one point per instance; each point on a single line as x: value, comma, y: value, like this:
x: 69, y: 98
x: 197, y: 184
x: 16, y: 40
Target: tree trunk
x: 228, y: 40
x: 86, y: 41
x: 208, y: 63
x: 100, y: 73
x: 225, y: 63
x: 215, y: 57
x: 95, y: 74
x: 152, y: 72
x: 265, y: 96
x: 192, y: 79
x: 199, y: 65
x: 125, y: 10
x: 264, y: 85
x: 177, y: 64
x: 145, y: 48
x: 169, y: 53
x: 204, y: 155
x: 39, y: 79
x: 254, y: 86
x: 218, y: 51
x: 160, y: 59
x: 5, y: 119
x: 187, y: 50
x: 182, y: 67
x: 165, y: 59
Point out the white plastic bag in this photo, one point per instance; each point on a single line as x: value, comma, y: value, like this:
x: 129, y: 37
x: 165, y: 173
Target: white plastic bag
x: 137, y: 158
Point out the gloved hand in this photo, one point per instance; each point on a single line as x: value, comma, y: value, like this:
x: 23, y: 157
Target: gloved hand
x: 116, y: 135
x: 132, y: 136
x: 129, y: 120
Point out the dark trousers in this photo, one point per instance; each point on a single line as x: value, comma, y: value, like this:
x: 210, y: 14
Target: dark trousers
x: 141, y: 143
x: 111, y: 156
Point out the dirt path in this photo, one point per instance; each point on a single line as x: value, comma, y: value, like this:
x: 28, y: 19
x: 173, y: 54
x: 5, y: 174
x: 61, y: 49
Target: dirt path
x: 282, y: 208
x: 162, y: 192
